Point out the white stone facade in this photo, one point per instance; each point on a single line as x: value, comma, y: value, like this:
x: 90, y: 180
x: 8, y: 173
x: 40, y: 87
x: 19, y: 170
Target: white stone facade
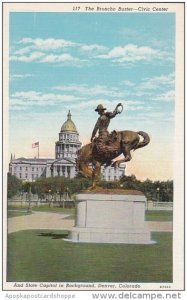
x: 61, y: 167
x: 113, y: 174
x: 30, y: 169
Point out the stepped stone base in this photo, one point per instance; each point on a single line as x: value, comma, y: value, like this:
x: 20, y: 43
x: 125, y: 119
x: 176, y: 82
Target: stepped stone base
x: 110, y: 218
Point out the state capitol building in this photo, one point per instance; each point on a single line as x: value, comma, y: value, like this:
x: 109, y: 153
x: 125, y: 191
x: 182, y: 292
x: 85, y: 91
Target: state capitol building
x: 64, y: 164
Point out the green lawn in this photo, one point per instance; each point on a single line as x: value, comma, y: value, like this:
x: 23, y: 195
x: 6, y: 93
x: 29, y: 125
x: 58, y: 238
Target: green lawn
x: 153, y: 215
x: 69, y: 211
x: 43, y: 255
x: 13, y: 211
x: 17, y: 213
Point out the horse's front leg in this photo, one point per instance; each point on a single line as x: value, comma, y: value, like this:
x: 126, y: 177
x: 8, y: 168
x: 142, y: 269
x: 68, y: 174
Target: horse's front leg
x: 85, y: 170
x: 96, y: 173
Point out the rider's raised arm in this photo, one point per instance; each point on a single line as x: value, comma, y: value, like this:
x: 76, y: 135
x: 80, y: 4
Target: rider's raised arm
x: 114, y: 113
x: 111, y: 114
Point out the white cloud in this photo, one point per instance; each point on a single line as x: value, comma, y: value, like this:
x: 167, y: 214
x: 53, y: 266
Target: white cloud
x: 157, y: 82
x: 47, y: 44
x: 97, y: 90
x: 44, y: 51
x: 41, y: 57
x: 92, y: 104
x: 166, y: 97
x: 23, y: 51
x: 51, y: 58
x: 132, y: 53
x: 159, y: 88
x: 22, y: 100
x: 33, y: 98
x: 56, y: 44
x: 35, y: 56
x: 36, y: 116
x: 51, y: 51
x: 94, y: 47
x: 128, y: 83
x: 19, y: 76
x: 156, y: 114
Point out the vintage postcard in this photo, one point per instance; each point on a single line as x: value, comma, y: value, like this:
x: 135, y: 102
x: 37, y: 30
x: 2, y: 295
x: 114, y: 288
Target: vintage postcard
x: 93, y: 146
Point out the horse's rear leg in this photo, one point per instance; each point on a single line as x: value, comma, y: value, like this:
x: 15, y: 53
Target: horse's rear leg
x: 126, y: 153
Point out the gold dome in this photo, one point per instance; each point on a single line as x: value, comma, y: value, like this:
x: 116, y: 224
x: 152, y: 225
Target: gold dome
x: 68, y: 125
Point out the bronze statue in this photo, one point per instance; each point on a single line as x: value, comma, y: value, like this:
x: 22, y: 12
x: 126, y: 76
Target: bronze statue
x: 104, y: 121
x: 106, y: 147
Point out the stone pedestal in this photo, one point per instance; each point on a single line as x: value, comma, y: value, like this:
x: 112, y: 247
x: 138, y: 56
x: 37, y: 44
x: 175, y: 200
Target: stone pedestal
x: 110, y: 218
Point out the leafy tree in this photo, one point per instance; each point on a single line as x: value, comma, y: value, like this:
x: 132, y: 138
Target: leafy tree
x: 154, y: 190
x: 60, y: 185
x: 14, y: 185
x: 26, y: 187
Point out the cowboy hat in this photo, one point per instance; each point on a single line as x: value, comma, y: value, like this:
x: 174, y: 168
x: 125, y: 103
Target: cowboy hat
x: 100, y: 107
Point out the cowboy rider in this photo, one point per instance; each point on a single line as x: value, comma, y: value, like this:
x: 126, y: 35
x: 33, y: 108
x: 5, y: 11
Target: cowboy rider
x: 103, y: 121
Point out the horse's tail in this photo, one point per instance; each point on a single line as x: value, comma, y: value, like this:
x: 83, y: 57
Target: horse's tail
x: 146, y: 140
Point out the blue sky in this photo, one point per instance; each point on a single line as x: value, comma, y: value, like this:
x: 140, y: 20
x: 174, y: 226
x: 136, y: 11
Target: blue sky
x: 62, y: 61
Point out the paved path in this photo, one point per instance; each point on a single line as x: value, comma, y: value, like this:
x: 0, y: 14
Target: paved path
x: 160, y: 226
x: 39, y: 220
x: 47, y: 220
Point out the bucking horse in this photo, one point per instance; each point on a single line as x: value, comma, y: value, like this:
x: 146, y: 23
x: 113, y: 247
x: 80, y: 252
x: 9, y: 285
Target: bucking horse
x: 92, y: 156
